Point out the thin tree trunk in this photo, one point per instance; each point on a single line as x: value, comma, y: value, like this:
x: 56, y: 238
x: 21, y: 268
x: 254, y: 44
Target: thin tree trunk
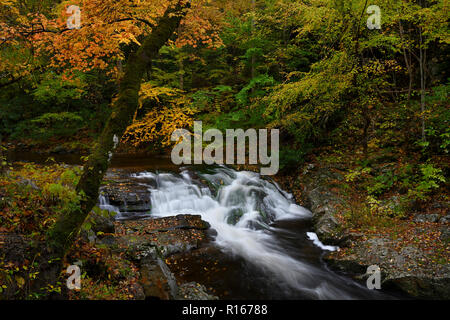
x: 407, y: 62
x: 365, y: 108
x: 367, y: 121
x: 65, y: 231
x: 422, y: 83
x: 253, y: 56
x: 181, y: 76
x: 2, y: 158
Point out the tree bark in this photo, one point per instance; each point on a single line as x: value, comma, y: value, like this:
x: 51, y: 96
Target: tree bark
x: 253, y: 62
x: 2, y: 158
x: 62, y: 235
x: 422, y: 61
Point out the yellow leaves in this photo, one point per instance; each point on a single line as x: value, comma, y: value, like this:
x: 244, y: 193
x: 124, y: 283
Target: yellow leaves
x: 377, y: 67
x: 158, y: 124
x: 20, y: 281
x: 149, y: 92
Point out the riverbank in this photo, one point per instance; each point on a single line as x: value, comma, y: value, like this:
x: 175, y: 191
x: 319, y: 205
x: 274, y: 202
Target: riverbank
x: 412, y: 249
x: 120, y: 260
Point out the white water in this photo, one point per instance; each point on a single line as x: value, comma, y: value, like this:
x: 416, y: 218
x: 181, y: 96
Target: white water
x: 104, y: 204
x: 315, y: 239
x: 260, y: 202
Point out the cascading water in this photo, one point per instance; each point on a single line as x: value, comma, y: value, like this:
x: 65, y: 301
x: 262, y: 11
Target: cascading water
x: 104, y: 204
x: 243, y: 208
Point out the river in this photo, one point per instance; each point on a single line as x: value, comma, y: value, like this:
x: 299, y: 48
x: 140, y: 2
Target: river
x: 262, y: 238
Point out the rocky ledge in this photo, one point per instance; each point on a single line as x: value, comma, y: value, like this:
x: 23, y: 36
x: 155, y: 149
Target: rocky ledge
x: 408, y: 267
x: 149, y: 243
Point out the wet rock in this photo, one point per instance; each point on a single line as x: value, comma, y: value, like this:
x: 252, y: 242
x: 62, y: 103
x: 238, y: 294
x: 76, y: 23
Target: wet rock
x: 128, y: 197
x: 156, y: 280
x: 323, y: 202
x: 234, y: 216
x: 165, y: 235
x: 150, y: 242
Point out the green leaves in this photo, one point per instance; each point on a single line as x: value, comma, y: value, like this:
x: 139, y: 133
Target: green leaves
x: 55, y: 88
x: 256, y: 88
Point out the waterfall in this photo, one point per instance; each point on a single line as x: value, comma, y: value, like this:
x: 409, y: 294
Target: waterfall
x: 242, y: 207
x: 104, y: 204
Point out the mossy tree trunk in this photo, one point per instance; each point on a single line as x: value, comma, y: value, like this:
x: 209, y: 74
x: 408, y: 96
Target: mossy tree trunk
x: 62, y: 235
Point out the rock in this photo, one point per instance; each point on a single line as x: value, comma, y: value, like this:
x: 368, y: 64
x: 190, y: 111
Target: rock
x: 102, y: 223
x: 421, y: 218
x: 234, y: 216
x: 28, y: 182
x: 132, y: 199
x: 322, y: 201
x: 445, y: 219
x: 440, y: 205
x: 108, y: 240
x: 421, y: 287
x: 150, y: 242
x: 400, y: 270
x: 59, y: 150
x: 194, y: 291
x: 349, y: 266
x: 156, y: 280
x: 166, y: 236
x: 445, y: 235
x: 137, y: 291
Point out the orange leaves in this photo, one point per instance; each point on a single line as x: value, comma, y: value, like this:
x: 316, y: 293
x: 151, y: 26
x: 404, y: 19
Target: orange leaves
x: 201, y: 26
x: 106, y: 25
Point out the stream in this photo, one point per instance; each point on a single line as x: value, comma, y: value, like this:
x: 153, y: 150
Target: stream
x: 261, y: 237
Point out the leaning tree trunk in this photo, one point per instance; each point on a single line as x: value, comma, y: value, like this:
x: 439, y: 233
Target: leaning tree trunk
x: 62, y: 235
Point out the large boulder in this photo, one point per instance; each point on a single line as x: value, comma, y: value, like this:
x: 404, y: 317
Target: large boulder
x: 150, y: 242
x: 322, y: 201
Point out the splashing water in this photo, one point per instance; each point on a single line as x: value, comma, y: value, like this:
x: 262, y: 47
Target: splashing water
x: 241, y: 207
